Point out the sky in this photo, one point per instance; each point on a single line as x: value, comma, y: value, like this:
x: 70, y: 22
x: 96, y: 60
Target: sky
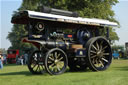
x: 121, y: 14
x: 8, y: 6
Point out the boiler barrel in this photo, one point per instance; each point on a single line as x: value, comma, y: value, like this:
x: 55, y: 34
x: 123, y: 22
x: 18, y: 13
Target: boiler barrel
x: 54, y: 44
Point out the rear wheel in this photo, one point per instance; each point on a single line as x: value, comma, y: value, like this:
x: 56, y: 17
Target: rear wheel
x: 56, y: 61
x: 35, y: 63
x: 99, y: 54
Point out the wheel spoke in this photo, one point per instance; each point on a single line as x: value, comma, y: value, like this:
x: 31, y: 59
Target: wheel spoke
x: 104, y: 60
x: 49, y: 62
x: 55, y: 55
x: 93, y: 60
x: 52, y: 68
x: 94, y: 47
x: 42, y: 67
x: 93, y: 51
x: 52, y: 55
x: 105, y: 53
x: 97, y: 46
x: 37, y: 68
x: 96, y: 61
x: 58, y: 68
x: 93, y: 56
x: 61, y: 63
x: 52, y: 65
x: 51, y: 58
x: 55, y: 69
x: 101, y: 45
x: 103, y: 56
x: 60, y: 58
x: 59, y: 55
x: 36, y: 55
x: 34, y: 66
x: 104, y: 47
x: 101, y: 63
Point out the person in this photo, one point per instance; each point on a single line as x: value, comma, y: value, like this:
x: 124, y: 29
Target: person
x: 4, y: 59
x: 1, y: 61
x: 21, y: 60
x: 18, y: 60
x: 25, y: 58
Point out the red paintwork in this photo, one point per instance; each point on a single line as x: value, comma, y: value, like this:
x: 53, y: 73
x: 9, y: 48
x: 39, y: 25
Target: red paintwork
x: 12, y: 55
x: 33, y: 42
x: 70, y: 36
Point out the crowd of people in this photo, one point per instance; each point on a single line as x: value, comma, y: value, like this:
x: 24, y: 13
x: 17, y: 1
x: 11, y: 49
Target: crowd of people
x: 22, y: 60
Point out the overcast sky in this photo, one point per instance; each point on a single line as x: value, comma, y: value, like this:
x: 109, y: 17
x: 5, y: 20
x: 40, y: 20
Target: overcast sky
x: 8, y: 6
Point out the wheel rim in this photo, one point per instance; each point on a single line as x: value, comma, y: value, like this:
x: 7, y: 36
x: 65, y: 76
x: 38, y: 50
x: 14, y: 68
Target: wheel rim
x: 35, y: 64
x: 56, y: 62
x: 100, y: 54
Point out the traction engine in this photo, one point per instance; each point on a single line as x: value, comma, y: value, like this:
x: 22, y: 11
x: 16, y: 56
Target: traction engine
x: 65, y: 40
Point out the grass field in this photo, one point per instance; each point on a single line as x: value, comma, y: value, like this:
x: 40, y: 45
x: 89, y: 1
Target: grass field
x: 117, y: 74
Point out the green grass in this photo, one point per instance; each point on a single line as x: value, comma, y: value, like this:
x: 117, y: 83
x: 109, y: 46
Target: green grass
x: 117, y: 74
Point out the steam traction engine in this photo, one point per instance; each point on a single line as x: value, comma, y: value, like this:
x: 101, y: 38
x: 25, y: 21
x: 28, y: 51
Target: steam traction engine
x: 64, y: 39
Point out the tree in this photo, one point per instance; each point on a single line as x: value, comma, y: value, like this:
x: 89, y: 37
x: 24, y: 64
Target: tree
x: 118, y: 48
x: 86, y: 8
x: 16, y: 36
x: 3, y: 51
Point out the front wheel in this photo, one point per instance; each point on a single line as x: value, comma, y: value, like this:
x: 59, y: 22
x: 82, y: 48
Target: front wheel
x: 99, y: 54
x: 35, y: 63
x: 56, y: 61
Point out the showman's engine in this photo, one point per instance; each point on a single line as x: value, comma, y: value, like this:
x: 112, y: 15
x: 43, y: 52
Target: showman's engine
x: 65, y: 39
